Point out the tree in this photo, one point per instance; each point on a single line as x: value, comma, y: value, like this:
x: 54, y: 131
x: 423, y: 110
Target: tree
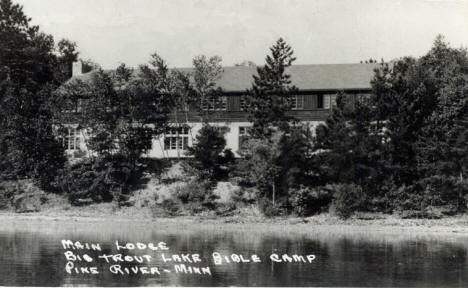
x: 211, y: 161
x: 276, y: 156
x: 268, y: 99
x: 442, y: 152
x: 260, y: 165
x: 207, y: 96
x: 121, y: 114
x: 29, y: 75
x: 405, y: 144
x: 67, y: 54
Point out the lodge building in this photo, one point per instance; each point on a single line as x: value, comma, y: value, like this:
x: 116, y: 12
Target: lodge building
x: 317, y: 87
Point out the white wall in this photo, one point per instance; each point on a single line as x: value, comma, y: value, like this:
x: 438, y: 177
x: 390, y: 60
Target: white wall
x: 232, y: 138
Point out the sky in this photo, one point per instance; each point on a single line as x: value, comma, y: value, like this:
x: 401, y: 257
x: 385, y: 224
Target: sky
x: 111, y: 32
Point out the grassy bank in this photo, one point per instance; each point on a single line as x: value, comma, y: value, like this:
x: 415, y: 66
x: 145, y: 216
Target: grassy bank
x: 109, y: 213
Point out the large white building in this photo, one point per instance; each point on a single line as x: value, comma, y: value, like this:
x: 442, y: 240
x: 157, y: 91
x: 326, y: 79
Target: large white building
x: 317, y: 88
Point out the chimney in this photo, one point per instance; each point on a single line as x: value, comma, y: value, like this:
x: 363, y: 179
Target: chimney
x: 77, y: 68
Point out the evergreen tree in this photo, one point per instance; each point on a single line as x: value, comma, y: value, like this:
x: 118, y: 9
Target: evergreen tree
x: 268, y: 99
x: 442, y: 149
x: 28, y: 77
x: 275, y: 158
x: 211, y: 161
x: 405, y: 144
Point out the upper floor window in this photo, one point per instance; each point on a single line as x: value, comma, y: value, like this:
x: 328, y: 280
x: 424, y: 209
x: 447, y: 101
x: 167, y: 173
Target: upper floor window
x: 218, y: 103
x: 326, y: 101
x: 176, y: 138
x: 297, y: 102
x: 182, y: 107
x: 243, y: 103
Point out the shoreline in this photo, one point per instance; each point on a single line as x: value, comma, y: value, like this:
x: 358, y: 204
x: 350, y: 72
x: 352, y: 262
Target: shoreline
x: 454, y: 225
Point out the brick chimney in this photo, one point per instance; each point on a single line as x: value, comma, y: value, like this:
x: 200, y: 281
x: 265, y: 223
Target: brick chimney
x: 77, y: 68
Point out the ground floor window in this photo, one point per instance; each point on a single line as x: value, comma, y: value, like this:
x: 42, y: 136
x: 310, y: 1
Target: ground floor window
x: 71, y: 139
x: 176, y: 138
x: 243, y: 135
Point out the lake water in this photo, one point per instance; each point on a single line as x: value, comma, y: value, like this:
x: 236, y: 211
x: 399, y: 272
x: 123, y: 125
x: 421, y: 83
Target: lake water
x: 31, y: 254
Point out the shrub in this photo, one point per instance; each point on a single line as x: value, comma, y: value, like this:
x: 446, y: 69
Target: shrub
x: 307, y: 201
x: 211, y: 161
x: 86, y: 182
x: 171, y: 207
x: 271, y: 210
x: 226, y: 209
x: 442, y: 191
x: 8, y: 189
x: 245, y: 195
x: 347, y: 199
x: 196, y: 195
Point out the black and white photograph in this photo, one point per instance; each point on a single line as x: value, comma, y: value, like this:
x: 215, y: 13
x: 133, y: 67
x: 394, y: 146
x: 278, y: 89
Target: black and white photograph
x: 221, y: 143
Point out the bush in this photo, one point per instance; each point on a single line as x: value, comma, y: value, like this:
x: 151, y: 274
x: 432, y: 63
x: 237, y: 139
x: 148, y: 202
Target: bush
x: 171, y: 207
x: 347, y: 199
x: 211, y: 161
x: 442, y: 191
x: 307, y: 201
x: 271, y: 210
x: 8, y: 189
x: 196, y: 196
x: 226, y: 209
x: 86, y: 182
x: 245, y: 195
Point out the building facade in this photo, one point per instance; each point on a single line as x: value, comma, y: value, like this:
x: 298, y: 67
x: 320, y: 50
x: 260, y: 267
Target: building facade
x: 317, y: 87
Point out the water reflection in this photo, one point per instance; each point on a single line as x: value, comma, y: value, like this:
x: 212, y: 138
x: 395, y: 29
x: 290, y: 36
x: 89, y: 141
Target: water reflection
x: 31, y: 255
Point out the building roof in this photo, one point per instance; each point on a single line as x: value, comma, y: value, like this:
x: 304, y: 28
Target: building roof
x: 304, y: 77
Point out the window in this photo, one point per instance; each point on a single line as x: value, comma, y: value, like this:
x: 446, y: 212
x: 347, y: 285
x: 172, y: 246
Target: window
x: 71, y: 139
x: 244, y: 131
x: 243, y: 103
x: 319, y: 101
x: 74, y: 106
x: 297, y: 102
x: 214, y: 103
x: 326, y: 101
x: 243, y: 135
x: 333, y: 100
x: 176, y: 138
x: 182, y: 107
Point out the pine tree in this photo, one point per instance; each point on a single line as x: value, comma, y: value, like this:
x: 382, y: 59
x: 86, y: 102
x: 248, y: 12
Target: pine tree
x: 442, y: 149
x: 29, y: 75
x: 268, y: 99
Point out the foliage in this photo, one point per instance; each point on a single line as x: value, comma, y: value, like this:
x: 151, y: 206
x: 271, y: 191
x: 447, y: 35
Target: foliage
x: 268, y: 99
x: 259, y: 165
x: 307, y: 201
x: 211, y: 161
x: 346, y: 199
x: 276, y: 153
x: 399, y: 143
x: 206, y: 73
x: 90, y: 181
x: 171, y: 207
x: 121, y: 114
x: 31, y: 68
x: 197, y: 196
x: 270, y: 209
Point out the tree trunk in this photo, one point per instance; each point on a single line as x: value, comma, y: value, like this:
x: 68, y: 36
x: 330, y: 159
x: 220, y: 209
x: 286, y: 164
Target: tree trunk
x: 274, y: 193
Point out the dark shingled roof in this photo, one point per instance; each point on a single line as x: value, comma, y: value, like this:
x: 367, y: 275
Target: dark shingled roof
x: 304, y: 77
